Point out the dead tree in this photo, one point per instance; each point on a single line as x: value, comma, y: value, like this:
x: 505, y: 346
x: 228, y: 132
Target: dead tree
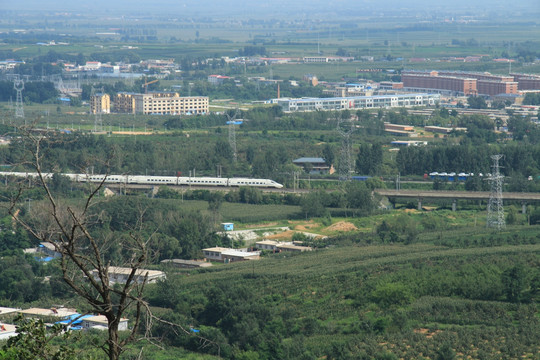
x: 83, y: 264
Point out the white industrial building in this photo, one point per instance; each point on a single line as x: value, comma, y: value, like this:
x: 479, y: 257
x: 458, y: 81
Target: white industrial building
x: 358, y: 102
x: 120, y: 275
x: 100, y: 322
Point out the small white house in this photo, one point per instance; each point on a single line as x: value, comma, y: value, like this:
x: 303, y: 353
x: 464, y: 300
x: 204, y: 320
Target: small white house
x: 121, y: 274
x: 52, y: 313
x: 227, y: 226
x: 228, y: 255
x: 267, y: 244
x: 100, y: 322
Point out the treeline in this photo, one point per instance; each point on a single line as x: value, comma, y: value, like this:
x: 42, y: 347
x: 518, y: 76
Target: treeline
x: 523, y: 159
x: 252, y: 51
x: 354, y: 199
x: 251, y: 90
x: 261, y: 154
x: 34, y: 91
x: 531, y: 99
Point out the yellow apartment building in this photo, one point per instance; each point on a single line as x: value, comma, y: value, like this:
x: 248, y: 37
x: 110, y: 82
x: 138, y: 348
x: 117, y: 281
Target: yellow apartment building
x: 100, y: 104
x: 161, y: 103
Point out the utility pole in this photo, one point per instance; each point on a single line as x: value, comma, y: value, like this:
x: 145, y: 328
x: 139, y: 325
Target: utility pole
x: 296, y: 180
x: 232, y: 133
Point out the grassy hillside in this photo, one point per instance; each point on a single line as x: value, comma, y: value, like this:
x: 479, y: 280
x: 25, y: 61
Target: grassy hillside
x: 365, y: 302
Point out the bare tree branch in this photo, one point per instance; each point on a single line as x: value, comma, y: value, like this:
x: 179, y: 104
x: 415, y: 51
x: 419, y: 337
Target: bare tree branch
x: 84, y: 265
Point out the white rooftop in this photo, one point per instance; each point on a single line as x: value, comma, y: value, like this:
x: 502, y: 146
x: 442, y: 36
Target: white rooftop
x: 100, y: 319
x: 6, y: 310
x: 139, y: 272
x: 233, y: 252
x: 267, y: 242
x: 56, y: 312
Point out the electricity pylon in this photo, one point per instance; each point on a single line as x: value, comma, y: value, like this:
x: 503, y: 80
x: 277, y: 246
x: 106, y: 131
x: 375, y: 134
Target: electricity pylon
x: 495, y: 215
x: 345, y: 163
x: 18, y: 85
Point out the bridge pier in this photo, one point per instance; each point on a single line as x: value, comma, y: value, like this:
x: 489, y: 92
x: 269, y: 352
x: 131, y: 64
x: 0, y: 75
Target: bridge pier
x: 523, y: 207
x: 419, y: 204
x: 454, y: 205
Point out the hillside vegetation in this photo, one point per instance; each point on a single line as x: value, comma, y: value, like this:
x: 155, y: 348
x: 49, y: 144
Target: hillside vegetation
x: 364, y: 302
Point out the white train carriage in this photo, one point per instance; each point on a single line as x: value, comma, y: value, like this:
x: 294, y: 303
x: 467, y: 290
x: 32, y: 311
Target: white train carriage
x: 254, y: 182
x: 156, y: 180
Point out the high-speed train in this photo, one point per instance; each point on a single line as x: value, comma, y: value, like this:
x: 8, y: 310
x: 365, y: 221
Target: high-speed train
x: 157, y: 180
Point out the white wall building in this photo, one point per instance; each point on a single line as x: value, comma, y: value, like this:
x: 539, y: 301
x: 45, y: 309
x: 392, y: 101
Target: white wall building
x: 99, y: 322
x: 119, y: 275
x: 358, y: 102
x: 228, y: 255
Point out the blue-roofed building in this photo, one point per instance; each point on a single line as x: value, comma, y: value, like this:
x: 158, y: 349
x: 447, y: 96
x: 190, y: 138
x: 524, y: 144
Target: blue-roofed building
x: 315, y: 165
x: 74, y: 321
x: 227, y: 226
x: 235, y: 122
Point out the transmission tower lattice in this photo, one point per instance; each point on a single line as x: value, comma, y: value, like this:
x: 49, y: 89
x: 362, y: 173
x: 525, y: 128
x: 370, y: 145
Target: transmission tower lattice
x: 18, y: 85
x: 98, y: 121
x: 495, y: 215
x: 232, y: 133
x: 345, y: 163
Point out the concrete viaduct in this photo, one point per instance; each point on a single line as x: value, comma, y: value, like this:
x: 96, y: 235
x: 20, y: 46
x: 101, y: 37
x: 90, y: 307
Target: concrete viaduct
x: 419, y: 195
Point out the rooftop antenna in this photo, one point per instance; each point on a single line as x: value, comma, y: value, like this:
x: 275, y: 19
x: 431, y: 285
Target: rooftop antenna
x: 495, y: 216
x: 232, y: 132
x: 345, y: 158
x: 18, y: 85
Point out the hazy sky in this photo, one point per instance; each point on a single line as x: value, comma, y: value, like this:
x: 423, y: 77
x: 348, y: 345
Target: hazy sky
x: 215, y: 7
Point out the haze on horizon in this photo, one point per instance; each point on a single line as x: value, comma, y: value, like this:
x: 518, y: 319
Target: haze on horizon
x: 276, y: 8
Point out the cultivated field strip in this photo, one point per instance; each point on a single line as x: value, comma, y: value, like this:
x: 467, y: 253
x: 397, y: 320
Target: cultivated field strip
x: 350, y: 259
